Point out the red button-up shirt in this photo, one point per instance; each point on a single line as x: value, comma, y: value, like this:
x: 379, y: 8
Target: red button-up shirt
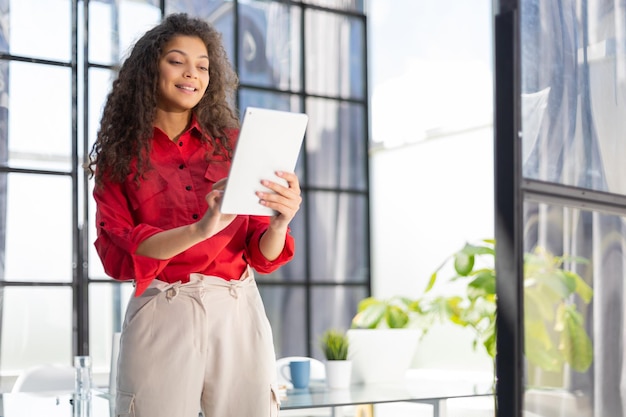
x: 172, y: 194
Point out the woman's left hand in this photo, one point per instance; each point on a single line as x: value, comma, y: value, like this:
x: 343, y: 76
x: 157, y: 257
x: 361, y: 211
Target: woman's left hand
x: 285, y: 200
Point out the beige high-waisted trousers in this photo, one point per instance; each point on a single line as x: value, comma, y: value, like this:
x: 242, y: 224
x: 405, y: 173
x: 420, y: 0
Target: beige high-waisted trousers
x: 206, y: 344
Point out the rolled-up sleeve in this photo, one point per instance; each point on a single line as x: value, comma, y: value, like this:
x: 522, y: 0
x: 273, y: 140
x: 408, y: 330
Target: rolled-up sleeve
x: 118, y: 239
x: 257, y: 226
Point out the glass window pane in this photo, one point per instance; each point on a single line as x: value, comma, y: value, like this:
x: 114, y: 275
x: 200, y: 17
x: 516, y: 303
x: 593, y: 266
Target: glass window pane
x: 334, y: 55
x: 574, y: 322
x: 336, y: 145
x: 36, y: 327
x: 338, y: 237
x: 276, y: 101
x: 38, y: 29
x: 217, y: 12
x: 333, y: 308
x: 39, y: 228
x: 99, y: 87
x: 115, y: 25
x: 47, y: 106
x: 293, y: 271
x: 350, y: 5
x: 286, y: 309
x: 270, y: 51
x: 574, y: 94
x: 107, y: 309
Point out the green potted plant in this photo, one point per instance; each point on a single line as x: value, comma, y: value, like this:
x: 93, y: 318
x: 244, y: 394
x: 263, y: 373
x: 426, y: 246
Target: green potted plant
x: 555, y: 333
x: 554, y: 325
x: 334, y: 345
x: 384, y: 325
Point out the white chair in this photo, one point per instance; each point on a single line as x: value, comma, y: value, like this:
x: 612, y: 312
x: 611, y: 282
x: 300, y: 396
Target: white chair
x: 48, y: 377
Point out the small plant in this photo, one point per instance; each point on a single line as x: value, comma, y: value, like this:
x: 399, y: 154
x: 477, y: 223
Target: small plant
x: 334, y: 345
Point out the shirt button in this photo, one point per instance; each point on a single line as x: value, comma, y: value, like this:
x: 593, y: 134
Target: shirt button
x: 181, y: 166
x: 188, y: 188
x: 180, y: 143
x: 195, y: 216
x: 101, y: 224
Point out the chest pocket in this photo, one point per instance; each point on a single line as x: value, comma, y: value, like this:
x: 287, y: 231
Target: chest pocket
x: 216, y: 170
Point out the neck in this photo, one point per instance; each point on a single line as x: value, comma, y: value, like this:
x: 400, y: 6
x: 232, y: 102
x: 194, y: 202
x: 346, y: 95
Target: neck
x: 172, y: 124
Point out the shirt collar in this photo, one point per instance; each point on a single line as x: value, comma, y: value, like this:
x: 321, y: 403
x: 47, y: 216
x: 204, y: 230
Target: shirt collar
x: 194, y: 127
x: 193, y: 130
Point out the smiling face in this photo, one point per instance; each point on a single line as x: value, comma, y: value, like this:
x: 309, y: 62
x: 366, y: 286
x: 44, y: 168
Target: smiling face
x: 183, y: 74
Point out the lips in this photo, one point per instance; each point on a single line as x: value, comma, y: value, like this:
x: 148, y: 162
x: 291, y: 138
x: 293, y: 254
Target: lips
x: 186, y: 87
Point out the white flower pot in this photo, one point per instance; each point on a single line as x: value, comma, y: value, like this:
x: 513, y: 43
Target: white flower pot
x: 338, y: 374
x: 381, y: 355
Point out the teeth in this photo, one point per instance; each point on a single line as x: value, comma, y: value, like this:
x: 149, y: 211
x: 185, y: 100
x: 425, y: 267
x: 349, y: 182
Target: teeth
x: 187, y: 88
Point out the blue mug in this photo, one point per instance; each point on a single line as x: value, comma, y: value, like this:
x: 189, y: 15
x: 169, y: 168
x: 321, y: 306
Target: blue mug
x: 299, y: 373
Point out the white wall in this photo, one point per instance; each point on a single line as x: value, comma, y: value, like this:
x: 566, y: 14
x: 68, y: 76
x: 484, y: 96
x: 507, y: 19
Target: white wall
x: 432, y: 159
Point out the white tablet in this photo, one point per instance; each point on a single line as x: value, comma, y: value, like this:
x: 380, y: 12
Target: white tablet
x: 269, y: 141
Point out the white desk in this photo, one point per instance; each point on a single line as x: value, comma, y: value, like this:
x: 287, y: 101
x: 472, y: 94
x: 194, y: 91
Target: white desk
x: 428, y: 392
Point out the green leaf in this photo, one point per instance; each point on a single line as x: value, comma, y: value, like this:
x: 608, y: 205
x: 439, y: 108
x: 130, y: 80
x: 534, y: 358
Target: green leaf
x: 483, y: 284
x: 470, y: 249
x: 395, y: 317
x: 539, y: 305
x: 440, y: 307
x: 584, y: 291
x: 539, y: 348
x: 537, y: 333
x: 366, y: 303
x: 463, y: 263
x: 555, y: 282
x: 575, y: 344
x: 334, y: 344
x: 431, y: 282
x: 370, y: 316
x: 548, y: 360
x: 489, y: 341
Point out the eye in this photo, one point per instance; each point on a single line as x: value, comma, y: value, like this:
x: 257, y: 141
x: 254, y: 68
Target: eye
x: 175, y: 62
x: 203, y: 68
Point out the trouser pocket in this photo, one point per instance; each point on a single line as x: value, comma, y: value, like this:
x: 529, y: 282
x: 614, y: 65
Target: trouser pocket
x: 124, y: 404
x: 274, y: 401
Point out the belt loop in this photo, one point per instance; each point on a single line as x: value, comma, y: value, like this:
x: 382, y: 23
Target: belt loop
x: 172, y: 292
x: 233, y: 289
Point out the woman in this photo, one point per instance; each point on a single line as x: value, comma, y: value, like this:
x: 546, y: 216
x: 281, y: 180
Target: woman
x: 195, y: 335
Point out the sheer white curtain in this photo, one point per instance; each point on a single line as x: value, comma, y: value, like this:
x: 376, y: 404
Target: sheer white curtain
x: 574, y: 53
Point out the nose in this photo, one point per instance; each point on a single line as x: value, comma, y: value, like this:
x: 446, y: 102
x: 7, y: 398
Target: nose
x: 190, y: 72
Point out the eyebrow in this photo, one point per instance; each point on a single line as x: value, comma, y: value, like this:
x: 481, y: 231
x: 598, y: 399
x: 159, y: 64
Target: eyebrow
x: 184, y: 53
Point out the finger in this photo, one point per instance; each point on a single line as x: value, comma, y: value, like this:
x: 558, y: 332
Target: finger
x: 292, y: 189
x: 284, y: 205
x: 214, y: 197
x: 292, y: 179
x: 220, y: 184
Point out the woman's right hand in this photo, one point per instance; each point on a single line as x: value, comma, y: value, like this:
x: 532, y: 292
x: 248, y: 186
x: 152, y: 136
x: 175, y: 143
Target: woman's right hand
x: 213, y: 220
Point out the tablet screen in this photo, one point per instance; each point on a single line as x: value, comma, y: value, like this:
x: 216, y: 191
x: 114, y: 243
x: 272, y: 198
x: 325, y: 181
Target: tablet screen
x: 269, y: 141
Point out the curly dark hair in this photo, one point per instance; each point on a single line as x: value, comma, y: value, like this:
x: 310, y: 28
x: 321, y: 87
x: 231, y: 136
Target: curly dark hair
x: 126, y: 126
